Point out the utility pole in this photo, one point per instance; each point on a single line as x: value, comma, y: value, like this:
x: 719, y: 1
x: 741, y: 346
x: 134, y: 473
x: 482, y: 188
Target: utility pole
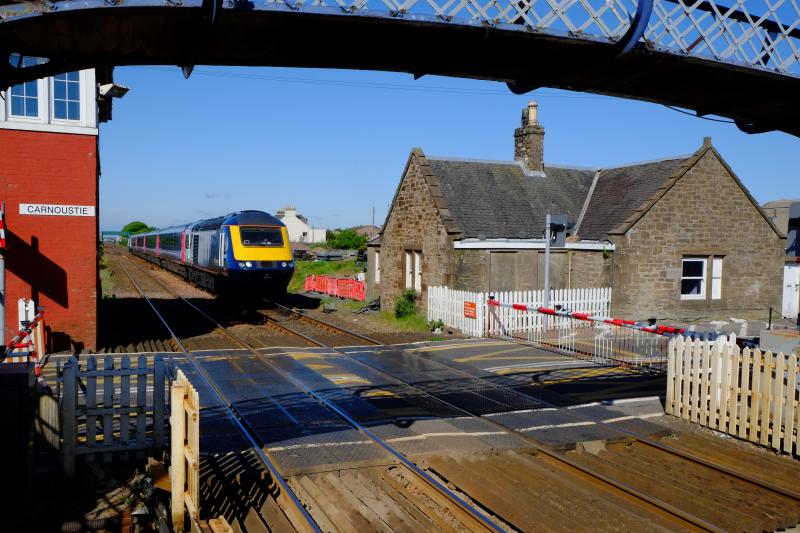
x: 373, y: 216
x: 546, y: 264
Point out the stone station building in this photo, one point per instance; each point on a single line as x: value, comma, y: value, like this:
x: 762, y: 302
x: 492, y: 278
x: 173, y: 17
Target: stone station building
x: 678, y: 239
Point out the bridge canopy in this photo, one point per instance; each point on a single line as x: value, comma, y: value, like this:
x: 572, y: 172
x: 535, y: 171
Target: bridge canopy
x: 735, y: 58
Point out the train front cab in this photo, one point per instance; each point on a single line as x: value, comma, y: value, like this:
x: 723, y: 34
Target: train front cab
x: 258, y: 257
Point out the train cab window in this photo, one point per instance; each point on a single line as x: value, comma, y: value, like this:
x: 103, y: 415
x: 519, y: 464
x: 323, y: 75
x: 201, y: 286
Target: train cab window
x: 261, y: 236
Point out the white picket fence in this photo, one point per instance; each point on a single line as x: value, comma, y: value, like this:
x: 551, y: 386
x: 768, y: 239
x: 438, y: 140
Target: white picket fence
x: 747, y: 393
x: 448, y: 305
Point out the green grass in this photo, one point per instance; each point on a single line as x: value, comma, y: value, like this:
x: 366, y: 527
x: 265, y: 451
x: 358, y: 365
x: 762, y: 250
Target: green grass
x: 106, y: 280
x: 346, y: 268
x: 415, y: 322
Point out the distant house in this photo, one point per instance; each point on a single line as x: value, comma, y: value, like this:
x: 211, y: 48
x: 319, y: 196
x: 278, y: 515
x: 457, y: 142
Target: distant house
x: 659, y: 233
x: 368, y: 231
x: 298, y: 228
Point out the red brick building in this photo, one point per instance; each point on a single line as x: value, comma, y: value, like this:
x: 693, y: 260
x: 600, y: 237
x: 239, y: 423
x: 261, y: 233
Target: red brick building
x: 49, y: 183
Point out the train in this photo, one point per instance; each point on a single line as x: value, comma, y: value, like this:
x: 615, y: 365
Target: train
x: 246, y: 252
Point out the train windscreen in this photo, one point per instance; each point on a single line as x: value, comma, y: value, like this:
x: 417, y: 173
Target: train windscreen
x: 260, y: 236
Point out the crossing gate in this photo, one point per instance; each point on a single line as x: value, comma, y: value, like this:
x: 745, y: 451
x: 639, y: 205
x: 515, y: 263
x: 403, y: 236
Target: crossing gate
x: 111, y: 409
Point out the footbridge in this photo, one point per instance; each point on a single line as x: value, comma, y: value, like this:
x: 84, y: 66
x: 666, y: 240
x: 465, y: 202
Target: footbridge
x: 733, y: 58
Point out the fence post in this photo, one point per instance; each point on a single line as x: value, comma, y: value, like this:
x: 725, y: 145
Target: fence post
x: 178, y: 466
x: 68, y: 414
x: 158, y: 405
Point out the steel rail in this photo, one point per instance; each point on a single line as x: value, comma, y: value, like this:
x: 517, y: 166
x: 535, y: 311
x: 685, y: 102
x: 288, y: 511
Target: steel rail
x: 659, y: 504
x: 470, y: 510
x: 327, y: 324
x: 233, y: 413
x: 637, y: 436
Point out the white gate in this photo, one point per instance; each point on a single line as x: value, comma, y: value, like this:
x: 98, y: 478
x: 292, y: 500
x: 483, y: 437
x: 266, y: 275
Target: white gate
x: 791, y: 291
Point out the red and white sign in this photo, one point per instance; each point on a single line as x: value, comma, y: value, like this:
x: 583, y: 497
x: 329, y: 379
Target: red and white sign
x: 2, y: 226
x: 470, y: 310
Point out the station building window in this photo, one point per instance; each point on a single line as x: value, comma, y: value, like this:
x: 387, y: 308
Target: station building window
x: 377, y: 266
x: 67, y: 96
x: 695, y: 277
x: 413, y: 269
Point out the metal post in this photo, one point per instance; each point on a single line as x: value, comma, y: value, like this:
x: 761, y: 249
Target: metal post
x: 546, y: 265
x: 2, y: 298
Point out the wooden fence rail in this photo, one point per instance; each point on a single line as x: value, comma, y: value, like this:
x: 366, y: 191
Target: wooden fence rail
x: 102, y: 415
x: 746, y: 393
x: 185, y: 450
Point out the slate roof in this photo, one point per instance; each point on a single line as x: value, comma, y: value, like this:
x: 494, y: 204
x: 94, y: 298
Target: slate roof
x: 621, y: 191
x: 498, y: 199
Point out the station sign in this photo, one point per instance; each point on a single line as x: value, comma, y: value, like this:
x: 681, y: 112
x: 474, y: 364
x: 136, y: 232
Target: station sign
x: 470, y: 310
x: 56, y: 210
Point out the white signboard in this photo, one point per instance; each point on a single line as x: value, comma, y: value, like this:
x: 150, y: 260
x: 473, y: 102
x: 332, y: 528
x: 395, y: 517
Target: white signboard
x: 57, y: 210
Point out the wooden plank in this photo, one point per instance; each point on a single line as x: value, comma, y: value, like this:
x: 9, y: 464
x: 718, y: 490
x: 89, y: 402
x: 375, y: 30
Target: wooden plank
x: 108, y: 401
x: 125, y: 401
x: 790, y: 406
x: 141, y: 398
x: 159, y: 371
x: 713, y: 382
x: 734, y: 389
x: 669, y: 406
x: 91, y: 402
x: 705, y: 383
x: 177, y: 468
x: 679, y: 378
x: 766, y: 398
x: 755, y: 397
x: 696, y: 383
x: 686, y: 366
x: 744, y: 393
x: 69, y: 403
x: 777, y: 401
x: 725, y: 383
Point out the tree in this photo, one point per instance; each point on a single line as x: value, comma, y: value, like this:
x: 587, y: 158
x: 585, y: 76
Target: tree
x: 136, y: 227
x: 346, y: 239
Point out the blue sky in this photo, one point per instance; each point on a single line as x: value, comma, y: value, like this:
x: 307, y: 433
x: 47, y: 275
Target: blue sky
x: 334, y: 143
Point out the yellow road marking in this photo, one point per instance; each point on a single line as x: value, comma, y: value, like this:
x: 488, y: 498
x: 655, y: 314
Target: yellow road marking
x: 484, y: 356
x: 462, y: 345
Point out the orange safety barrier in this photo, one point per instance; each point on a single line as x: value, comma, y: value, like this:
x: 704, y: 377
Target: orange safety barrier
x: 340, y: 287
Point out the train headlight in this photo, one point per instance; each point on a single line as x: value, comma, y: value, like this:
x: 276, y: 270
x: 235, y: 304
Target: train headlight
x: 283, y: 264
x: 242, y: 265
x: 248, y: 264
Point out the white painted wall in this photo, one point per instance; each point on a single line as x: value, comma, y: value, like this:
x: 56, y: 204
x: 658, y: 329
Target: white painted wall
x: 298, y: 230
x: 791, y: 291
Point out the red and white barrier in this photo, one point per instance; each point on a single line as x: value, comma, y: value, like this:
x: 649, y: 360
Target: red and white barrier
x: 339, y: 287
x: 26, y: 342
x: 632, y: 324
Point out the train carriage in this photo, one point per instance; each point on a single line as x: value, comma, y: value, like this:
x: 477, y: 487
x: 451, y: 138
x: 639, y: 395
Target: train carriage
x: 247, y: 252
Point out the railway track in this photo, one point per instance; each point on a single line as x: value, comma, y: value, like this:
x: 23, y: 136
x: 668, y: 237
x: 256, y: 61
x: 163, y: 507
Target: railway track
x: 466, y: 514
x: 593, y: 469
x: 614, y: 473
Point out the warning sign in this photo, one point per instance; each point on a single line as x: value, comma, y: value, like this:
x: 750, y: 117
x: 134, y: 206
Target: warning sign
x: 470, y: 310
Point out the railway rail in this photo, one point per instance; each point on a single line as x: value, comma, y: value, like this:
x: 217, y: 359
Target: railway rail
x: 611, y: 475
x: 469, y: 515
x: 591, y: 468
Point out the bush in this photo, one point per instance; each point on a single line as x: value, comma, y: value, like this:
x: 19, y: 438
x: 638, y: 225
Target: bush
x: 407, y: 304
x: 346, y: 239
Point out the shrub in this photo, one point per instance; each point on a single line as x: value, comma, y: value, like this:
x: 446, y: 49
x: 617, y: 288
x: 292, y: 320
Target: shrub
x: 407, y: 304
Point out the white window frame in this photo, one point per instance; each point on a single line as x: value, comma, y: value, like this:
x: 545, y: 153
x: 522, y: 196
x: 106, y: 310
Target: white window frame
x: 409, y: 267
x: 418, y: 271
x: 716, y: 278
x: 377, y: 271
x: 82, y: 96
x: 41, y: 108
x: 702, y: 278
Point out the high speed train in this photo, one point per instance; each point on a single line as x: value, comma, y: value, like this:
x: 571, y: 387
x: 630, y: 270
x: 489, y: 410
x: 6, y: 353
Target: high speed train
x: 247, y: 252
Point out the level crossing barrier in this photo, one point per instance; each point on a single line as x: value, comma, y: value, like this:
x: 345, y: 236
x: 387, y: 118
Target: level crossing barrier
x: 585, y: 334
x: 339, y: 287
x: 742, y: 392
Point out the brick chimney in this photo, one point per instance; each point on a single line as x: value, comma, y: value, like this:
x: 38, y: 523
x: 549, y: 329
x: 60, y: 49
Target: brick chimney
x: 529, y: 140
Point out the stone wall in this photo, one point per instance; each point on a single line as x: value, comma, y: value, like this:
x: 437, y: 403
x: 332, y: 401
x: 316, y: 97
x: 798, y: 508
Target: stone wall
x: 705, y: 214
x: 413, y: 224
